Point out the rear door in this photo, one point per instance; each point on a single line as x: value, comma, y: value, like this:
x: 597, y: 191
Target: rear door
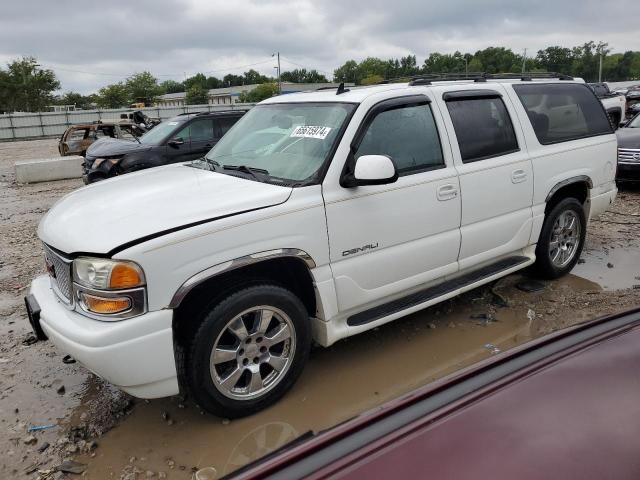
x: 496, y: 175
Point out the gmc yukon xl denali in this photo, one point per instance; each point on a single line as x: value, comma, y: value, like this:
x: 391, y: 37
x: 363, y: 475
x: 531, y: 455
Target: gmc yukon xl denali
x: 316, y: 217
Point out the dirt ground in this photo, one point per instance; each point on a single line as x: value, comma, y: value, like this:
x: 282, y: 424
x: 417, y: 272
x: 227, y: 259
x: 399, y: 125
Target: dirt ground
x: 111, y: 435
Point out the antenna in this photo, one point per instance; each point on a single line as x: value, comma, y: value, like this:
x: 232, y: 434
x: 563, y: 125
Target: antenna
x: 341, y: 89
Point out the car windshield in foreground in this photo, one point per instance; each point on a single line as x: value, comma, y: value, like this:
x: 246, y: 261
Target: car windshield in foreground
x: 159, y: 132
x: 290, y: 141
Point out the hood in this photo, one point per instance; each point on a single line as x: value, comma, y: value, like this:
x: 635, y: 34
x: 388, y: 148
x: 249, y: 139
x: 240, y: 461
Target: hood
x: 107, y: 147
x: 628, y: 137
x: 106, y: 215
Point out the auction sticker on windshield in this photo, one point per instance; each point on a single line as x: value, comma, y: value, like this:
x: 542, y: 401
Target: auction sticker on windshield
x: 310, y: 131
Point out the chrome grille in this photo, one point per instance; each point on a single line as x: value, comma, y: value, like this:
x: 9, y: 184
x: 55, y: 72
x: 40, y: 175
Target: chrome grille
x: 629, y: 155
x: 59, y: 269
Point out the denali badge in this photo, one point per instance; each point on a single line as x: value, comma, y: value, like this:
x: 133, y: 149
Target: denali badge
x: 364, y: 248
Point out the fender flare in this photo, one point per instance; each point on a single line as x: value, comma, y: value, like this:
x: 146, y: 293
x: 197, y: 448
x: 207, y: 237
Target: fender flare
x: 235, y: 264
x: 569, y: 181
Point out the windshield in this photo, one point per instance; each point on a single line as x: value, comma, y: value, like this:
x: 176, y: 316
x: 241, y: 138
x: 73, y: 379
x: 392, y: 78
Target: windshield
x: 634, y: 122
x: 156, y: 135
x: 289, y: 141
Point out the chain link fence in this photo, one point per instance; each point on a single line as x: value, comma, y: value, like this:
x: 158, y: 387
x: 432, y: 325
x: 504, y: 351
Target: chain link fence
x: 23, y: 126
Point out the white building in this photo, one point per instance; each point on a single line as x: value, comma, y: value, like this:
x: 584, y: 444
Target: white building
x: 231, y: 95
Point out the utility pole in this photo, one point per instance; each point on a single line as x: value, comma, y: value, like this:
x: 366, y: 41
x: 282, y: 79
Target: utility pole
x: 466, y: 65
x: 279, y: 83
x: 600, y: 70
x: 524, y: 60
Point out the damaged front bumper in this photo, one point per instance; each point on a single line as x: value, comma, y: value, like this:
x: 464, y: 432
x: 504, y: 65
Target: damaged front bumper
x: 98, y: 169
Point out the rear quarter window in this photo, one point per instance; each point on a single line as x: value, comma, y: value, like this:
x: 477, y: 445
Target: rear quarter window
x: 560, y: 113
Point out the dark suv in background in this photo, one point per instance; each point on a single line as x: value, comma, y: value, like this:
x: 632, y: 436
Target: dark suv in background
x: 182, y: 138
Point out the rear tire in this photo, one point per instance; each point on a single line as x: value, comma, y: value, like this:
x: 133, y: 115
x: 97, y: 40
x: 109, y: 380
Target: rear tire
x: 561, y: 239
x: 249, y: 351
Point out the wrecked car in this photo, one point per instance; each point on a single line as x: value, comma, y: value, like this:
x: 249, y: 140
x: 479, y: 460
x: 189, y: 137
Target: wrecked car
x: 77, y: 138
x: 182, y: 138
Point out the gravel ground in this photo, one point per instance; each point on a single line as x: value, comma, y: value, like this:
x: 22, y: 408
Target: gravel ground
x: 113, y: 436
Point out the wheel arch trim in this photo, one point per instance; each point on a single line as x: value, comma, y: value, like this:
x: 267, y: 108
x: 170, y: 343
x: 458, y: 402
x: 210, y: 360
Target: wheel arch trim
x: 235, y: 264
x: 569, y: 181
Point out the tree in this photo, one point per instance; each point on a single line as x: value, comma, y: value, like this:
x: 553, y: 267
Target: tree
x: 113, y: 96
x: 143, y: 87
x: 347, y: 72
x: 303, y: 76
x: 555, y: 59
x: 197, y: 95
x: 261, y: 92
x: 26, y: 87
x: 231, y: 80
x: 80, y: 101
x: 252, y: 78
x: 197, y: 79
x: 171, y: 86
x: 371, y: 80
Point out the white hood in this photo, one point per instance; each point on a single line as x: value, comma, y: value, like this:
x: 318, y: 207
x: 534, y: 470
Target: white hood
x: 108, y: 214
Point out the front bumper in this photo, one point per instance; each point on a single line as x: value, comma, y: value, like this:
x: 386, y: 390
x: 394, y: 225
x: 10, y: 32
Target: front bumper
x: 136, y: 354
x: 628, y: 172
x: 95, y: 174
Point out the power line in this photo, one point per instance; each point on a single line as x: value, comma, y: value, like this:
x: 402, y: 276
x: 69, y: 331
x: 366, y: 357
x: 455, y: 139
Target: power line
x: 52, y: 67
x: 305, y: 67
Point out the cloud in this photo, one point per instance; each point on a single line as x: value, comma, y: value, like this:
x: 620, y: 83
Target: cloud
x: 111, y: 40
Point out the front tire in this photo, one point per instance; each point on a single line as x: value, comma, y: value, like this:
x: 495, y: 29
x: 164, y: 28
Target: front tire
x: 249, y: 351
x: 561, y: 239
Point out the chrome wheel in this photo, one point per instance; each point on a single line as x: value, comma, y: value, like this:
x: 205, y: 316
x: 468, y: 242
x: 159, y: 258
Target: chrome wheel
x: 565, y: 238
x: 253, y: 353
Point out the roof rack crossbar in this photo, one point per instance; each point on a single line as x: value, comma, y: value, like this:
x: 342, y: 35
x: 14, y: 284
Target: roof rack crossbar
x: 427, y: 79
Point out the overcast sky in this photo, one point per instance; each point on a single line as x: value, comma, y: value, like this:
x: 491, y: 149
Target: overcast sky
x: 91, y: 44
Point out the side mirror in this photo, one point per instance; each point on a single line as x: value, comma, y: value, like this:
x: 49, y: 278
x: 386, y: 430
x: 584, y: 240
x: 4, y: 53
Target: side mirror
x: 372, y: 170
x: 176, y: 142
x: 622, y: 124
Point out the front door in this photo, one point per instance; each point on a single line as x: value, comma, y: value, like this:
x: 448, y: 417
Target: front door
x: 386, y: 239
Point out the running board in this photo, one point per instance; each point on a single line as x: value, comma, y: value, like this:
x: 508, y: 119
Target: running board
x: 428, y: 294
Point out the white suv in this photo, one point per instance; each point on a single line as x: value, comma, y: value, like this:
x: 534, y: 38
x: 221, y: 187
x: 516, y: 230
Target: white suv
x: 319, y: 216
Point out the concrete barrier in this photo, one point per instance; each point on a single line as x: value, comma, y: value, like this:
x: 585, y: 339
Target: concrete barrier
x: 47, y: 169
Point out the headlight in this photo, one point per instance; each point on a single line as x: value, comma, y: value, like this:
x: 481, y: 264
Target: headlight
x: 107, y: 289
x: 98, y: 161
x: 105, y: 274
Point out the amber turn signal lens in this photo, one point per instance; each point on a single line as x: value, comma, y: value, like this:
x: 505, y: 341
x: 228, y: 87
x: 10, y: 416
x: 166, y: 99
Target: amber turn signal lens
x: 125, y: 276
x: 105, y: 306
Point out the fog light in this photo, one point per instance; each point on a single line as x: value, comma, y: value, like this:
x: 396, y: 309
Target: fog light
x: 105, y: 306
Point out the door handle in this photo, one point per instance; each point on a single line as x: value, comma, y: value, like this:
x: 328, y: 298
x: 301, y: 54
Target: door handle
x: 447, y: 192
x: 518, y: 176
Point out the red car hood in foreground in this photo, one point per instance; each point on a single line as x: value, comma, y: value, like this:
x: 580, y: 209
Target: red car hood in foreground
x: 566, y: 406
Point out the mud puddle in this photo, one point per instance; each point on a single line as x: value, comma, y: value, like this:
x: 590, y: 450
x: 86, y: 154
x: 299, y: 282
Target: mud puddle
x: 611, y: 268
x: 347, y: 379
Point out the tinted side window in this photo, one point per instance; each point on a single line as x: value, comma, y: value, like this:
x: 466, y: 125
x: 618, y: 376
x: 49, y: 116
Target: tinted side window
x: 197, y: 130
x: 560, y: 113
x: 408, y: 135
x: 225, y: 124
x: 483, y: 128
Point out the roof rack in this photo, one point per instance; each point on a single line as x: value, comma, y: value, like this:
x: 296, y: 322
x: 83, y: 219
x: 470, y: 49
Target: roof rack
x: 479, y: 77
x: 339, y: 89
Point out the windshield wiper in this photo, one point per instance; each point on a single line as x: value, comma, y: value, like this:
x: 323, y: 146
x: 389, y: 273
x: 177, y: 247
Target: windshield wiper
x: 250, y: 170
